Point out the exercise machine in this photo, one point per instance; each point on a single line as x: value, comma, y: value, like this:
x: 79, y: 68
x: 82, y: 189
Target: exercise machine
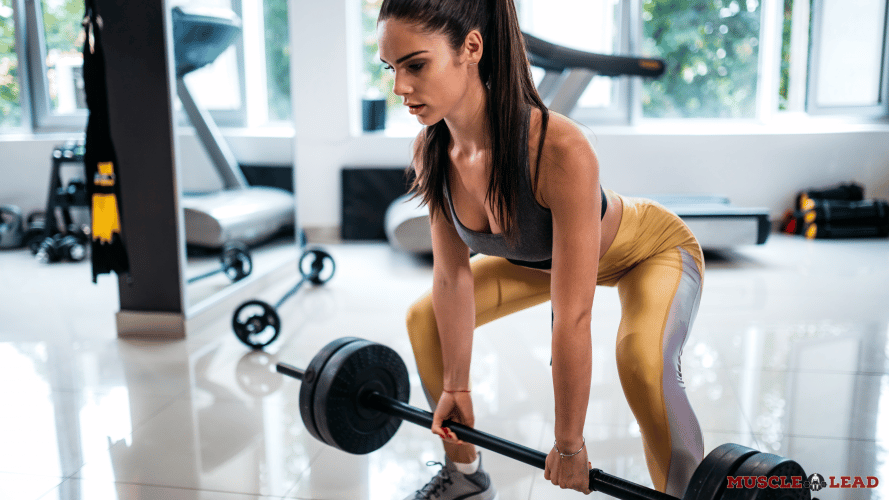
x: 239, y: 212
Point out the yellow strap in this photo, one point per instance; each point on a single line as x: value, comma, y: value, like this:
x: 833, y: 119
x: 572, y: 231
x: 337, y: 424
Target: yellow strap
x: 105, y: 174
x: 106, y: 220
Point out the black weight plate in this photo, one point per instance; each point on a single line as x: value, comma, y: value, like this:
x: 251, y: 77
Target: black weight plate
x: 341, y: 419
x: 310, y: 382
x: 256, y: 324
x: 710, y: 478
x: 769, y: 465
x: 72, y: 248
x: 238, y: 265
x: 236, y: 261
x: 317, y: 266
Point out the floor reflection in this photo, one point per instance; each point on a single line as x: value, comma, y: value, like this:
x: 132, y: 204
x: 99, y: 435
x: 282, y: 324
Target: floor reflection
x: 799, y: 371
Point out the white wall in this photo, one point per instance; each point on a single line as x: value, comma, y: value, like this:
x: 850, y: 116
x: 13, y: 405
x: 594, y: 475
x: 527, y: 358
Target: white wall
x: 752, y: 164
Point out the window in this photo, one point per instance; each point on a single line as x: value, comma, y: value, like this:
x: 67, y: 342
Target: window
x: 41, y: 43
x: 592, y: 26
x: 10, y: 108
x: 277, y: 51
x: 55, y: 63
x: 829, y: 56
x: 711, y: 48
x: 219, y: 86
x: 848, y: 58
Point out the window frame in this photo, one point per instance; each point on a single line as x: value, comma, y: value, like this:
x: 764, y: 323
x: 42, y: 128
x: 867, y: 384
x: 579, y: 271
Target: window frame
x: 813, y: 108
x: 36, y: 108
x: 619, y: 111
x: 43, y: 119
x: 22, y: 69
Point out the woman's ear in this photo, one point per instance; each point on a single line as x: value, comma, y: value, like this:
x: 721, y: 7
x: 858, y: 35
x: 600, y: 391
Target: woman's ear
x: 473, y: 47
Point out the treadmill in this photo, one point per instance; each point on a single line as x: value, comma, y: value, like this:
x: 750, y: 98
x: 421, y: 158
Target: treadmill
x: 715, y: 222
x: 239, y: 212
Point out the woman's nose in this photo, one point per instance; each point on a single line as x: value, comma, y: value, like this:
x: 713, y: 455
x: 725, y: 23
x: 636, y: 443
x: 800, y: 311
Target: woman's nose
x: 401, y: 87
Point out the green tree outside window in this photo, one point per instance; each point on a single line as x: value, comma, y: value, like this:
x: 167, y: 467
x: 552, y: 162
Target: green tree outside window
x: 712, y: 53
x: 10, y: 109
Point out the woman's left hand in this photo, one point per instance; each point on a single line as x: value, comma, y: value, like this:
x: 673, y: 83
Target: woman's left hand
x: 569, y: 472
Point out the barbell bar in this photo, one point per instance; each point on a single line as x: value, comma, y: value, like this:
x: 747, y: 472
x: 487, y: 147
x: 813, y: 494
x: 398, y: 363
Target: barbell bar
x: 352, y: 385
x: 235, y: 262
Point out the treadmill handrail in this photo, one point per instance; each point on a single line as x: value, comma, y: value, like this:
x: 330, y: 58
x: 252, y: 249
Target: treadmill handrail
x: 550, y: 56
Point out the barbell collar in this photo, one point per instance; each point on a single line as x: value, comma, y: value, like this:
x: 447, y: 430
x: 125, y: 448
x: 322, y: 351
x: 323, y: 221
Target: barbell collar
x: 599, y: 481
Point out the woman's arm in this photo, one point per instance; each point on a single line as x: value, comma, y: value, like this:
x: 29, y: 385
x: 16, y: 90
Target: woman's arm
x: 453, y: 298
x: 569, y: 184
x: 453, y: 301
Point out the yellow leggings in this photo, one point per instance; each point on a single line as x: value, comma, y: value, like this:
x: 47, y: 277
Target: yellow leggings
x: 657, y: 266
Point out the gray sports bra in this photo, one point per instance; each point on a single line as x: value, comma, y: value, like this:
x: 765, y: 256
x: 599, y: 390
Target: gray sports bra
x: 534, y: 242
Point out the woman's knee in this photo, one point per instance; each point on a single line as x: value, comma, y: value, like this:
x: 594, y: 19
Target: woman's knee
x: 639, y: 362
x: 420, y: 319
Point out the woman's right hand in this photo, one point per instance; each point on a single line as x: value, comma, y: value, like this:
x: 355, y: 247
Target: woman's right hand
x: 456, y: 407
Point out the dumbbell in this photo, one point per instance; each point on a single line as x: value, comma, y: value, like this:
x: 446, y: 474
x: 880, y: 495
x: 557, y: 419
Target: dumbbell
x: 354, y: 397
x: 256, y: 323
x: 235, y: 263
x: 61, y: 247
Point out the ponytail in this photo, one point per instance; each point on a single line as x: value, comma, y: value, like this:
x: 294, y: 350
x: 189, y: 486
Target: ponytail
x: 505, y: 71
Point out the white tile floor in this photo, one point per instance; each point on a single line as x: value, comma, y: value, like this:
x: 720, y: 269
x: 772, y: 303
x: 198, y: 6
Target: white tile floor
x: 788, y: 355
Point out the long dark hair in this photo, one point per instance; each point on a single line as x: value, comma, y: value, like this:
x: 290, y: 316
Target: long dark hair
x: 505, y: 71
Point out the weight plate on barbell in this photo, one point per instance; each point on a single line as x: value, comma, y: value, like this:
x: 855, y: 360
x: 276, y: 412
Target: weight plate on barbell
x: 341, y: 419
x: 256, y: 324
x: 768, y: 465
x: 310, y: 382
x: 317, y: 266
x: 710, y: 478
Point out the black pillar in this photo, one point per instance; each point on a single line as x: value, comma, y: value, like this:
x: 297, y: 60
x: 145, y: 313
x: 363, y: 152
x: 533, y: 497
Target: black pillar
x: 138, y: 60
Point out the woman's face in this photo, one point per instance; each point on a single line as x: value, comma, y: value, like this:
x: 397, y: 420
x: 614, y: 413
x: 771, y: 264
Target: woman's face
x: 429, y: 75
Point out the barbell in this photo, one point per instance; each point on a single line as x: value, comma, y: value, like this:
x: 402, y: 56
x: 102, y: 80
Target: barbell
x: 256, y: 323
x: 354, y: 397
x: 235, y: 262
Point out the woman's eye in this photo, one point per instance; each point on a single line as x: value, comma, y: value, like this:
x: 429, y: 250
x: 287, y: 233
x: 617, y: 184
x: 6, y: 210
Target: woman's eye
x: 416, y: 67
x: 388, y: 68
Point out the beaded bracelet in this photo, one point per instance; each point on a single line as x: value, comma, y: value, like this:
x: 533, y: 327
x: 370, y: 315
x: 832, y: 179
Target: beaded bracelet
x: 562, y: 455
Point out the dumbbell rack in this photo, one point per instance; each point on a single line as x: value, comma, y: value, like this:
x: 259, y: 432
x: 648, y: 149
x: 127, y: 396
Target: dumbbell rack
x: 63, y: 198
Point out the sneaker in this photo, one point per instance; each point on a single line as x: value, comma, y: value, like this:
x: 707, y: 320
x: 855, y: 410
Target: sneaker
x: 451, y: 484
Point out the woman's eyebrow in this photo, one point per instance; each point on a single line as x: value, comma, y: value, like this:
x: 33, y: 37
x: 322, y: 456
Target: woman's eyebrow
x: 405, y: 58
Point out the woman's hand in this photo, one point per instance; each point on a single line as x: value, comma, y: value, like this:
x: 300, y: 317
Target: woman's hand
x: 456, y: 407
x: 569, y: 472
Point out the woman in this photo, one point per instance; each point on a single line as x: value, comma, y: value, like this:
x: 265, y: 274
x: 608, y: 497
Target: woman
x: 506, y: 178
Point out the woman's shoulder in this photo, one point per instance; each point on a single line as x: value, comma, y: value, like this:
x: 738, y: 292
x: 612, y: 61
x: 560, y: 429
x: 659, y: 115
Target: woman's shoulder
x: 563, y: 137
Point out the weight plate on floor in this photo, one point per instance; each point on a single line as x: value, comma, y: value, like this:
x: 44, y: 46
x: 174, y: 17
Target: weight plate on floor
x: 317, y: 266
x: 768, y: 465
x: 310, y: 381
x: 72, y: 248
x: 358, y: 367
x: 236, y: 261
x: 256, y: 324
x: 710, y: 478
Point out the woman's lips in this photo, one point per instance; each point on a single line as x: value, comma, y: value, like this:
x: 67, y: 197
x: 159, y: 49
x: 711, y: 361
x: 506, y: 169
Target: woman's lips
x: 414, y: 109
